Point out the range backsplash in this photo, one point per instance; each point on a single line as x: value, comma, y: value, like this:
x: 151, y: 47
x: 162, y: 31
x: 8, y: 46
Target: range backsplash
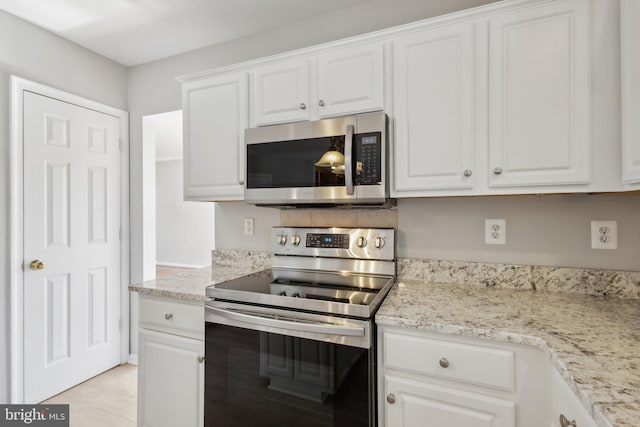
x: 617, y: 284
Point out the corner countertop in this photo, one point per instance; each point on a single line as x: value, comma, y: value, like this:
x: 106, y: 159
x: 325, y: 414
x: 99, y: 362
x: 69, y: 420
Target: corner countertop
x: 190, y: 285
x: 594, y: 342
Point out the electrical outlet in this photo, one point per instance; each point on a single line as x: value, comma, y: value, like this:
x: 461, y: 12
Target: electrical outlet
x: 248, y: 226
x: 604, y: 234
x: 495, y: 231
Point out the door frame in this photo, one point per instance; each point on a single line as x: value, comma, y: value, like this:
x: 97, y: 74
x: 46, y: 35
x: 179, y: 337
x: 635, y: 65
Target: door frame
x: 16, y: 232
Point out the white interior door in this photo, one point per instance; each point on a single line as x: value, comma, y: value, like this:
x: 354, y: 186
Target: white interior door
x: 71, y: 224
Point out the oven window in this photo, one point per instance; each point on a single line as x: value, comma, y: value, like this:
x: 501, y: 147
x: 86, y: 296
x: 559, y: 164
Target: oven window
x: 262, y: 379
x: 290, y: 164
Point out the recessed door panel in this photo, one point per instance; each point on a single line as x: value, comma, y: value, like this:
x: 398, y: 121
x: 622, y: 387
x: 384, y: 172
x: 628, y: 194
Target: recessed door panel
x: 97, y: 304
x: 57, y: 299
x: 97, y: 198
x: 57, y: 215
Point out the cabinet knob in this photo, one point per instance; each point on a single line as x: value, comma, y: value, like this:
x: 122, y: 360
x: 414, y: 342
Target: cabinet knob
x: 200, y: 359
x: 302, y: 106
x: 467, y: 173
x: 321, y: 103
x: 391, y: 398
x: 241, y: 181
x: 564, y: 422
x: 497, y: 170
x: 444, y: 362
x: 168, y: 316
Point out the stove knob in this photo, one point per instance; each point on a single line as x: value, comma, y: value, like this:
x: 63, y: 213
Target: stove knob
x: 295, y: 240
x: 362, y: 242
x: 282, y: 239
x: 379, y: 242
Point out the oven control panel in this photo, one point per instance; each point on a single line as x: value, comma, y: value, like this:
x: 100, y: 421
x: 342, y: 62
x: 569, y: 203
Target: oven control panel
x: 356, y: 243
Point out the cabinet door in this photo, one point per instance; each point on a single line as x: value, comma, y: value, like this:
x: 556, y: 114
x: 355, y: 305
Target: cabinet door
x: 170, y: 381
x: 351, y: 80
x: 417, y: 404
x: 281, y: 92
x: 539, y: 96
x: 434, y: 110
x: 629, y: 18
x: 215, y: 117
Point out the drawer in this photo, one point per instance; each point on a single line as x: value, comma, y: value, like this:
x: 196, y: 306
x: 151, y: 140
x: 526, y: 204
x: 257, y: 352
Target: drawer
x: 171, y: 316
x: 472, y: 364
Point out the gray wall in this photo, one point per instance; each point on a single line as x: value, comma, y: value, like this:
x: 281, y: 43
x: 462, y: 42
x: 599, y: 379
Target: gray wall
x: 184, y: 230
x: 153, y: 88
x: 541, y: 230
x: 29, y: 52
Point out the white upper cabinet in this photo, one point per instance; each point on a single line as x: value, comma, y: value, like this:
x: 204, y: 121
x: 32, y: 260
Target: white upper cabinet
x: 539, y: 96
x: 281, y: 92
x: 433, y: 81
x: 630, y: 52
x: 341, y: 81
x: 350, y: 80
x: 215, y: 113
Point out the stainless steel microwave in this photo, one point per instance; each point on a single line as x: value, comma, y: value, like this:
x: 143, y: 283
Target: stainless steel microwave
x: 341, y: 161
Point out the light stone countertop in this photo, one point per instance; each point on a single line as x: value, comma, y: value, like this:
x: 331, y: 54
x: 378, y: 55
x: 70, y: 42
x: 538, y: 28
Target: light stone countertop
x: 191, y: 285
x: 594, y: 342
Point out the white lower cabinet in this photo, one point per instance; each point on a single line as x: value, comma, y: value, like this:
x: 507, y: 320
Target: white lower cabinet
x: 418, y: 404
x: 171, y: 363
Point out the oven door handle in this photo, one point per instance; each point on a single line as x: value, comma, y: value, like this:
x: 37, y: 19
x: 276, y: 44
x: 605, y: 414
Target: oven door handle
x: 300, y: 326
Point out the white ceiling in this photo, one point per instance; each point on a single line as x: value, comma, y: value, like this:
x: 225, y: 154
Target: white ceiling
x: 133, y: 32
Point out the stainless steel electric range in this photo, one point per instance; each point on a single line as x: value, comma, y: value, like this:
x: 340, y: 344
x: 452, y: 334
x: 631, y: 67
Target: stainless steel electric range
x: 295, y: 345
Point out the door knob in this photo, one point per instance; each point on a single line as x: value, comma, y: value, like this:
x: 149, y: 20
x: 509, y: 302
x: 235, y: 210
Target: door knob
x: 37, y: 265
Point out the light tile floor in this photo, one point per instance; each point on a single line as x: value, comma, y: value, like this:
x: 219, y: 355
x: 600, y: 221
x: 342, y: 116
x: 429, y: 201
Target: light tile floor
x: 108, y: 400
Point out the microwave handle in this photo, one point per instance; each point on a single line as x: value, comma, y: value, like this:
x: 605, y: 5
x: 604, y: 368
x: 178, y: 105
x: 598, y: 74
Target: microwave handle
x: 348, y: 159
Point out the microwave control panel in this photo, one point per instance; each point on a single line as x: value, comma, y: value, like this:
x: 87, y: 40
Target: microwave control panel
x: 368, y: 168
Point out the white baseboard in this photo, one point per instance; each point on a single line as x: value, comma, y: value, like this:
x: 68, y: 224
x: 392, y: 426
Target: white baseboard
x: 173, y: 264
x: 133, y: 359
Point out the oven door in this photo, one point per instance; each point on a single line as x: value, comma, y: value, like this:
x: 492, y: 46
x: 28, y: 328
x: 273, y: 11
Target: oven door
x: 331, y: 161
x: 271, y: 369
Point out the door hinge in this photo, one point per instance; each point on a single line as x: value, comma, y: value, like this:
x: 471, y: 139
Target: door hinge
x: 120, y: 324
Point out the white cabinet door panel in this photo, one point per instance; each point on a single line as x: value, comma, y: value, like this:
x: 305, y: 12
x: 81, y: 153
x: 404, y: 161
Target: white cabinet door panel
x: 281, y: 92
x: 215, y: 117
x: 420, y: 404
x: 170, y: 380
x: 539, y: 96
x: 629, y: 17
x: 434, y: 109
x: 351, y: 80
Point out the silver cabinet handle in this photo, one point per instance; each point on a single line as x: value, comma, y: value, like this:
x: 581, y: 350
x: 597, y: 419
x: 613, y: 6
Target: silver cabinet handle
x: 302, y: 106
x: 467, y: 173
x: 497, y: 170
x: 241, y: 181
x: 391, y: 398
x: 564, y: 422
x: 321, y: 103
x: 168, y: 316
x: 444, y: 362
x: 200, y: 359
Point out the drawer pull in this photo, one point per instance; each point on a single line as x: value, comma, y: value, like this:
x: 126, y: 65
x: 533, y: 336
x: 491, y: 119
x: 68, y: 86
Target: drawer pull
x: 564, y: 422
x: 200, y: 359
x: 168, y: 316
x: 391, y: 398
x: 444, y: 362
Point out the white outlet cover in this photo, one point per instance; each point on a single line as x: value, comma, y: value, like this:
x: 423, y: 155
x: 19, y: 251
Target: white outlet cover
x: 495, y: 231
x: 248, y: 226
x: 604, y: 234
